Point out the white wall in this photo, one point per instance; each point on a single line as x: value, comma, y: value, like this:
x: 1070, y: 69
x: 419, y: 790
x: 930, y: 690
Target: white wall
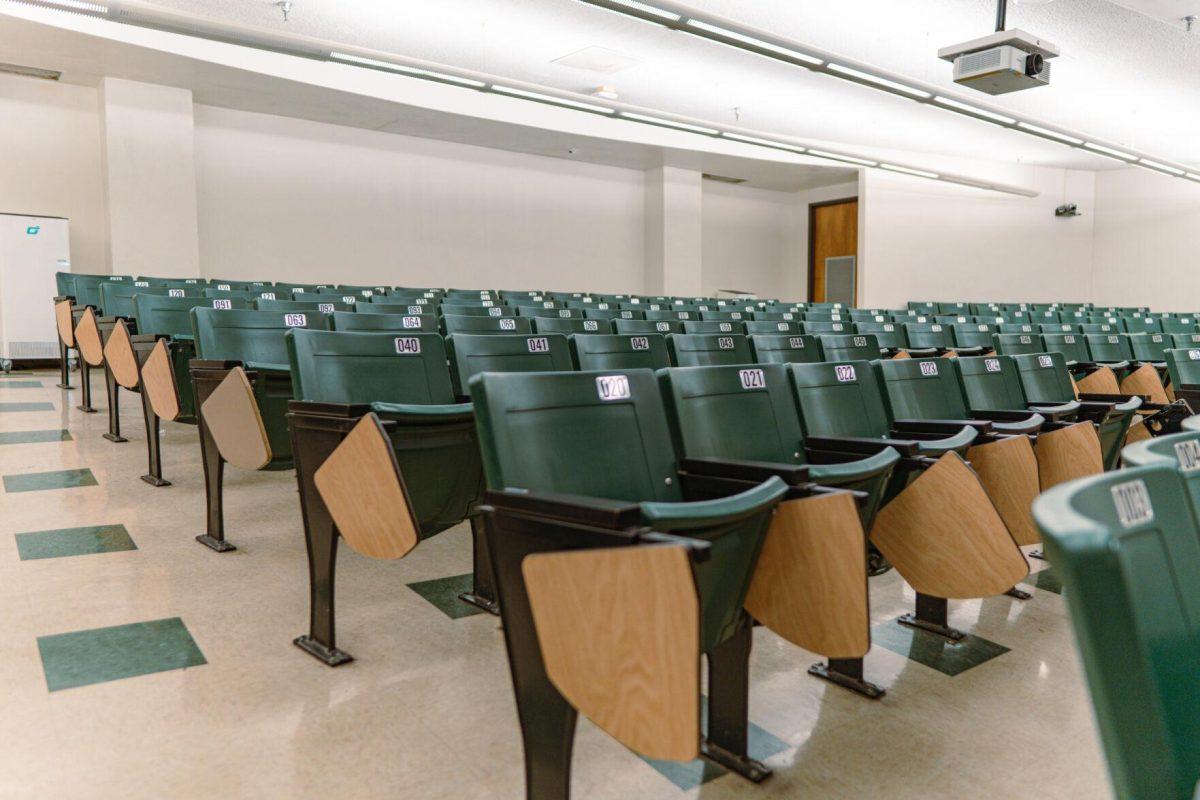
x: 290, y: 199
x: 748, y: 240
x: 50, y: 161
x: 797, y: 277
x: 1147, y: 239
x: 925, y: 240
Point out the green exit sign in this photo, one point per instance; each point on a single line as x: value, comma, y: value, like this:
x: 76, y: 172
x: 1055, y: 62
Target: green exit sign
x: 33, y: 230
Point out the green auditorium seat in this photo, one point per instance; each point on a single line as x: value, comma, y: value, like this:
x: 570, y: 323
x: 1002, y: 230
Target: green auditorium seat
x: 1125, y: 546
x: 398, y: 385
x: 1149, y: 348
x: 549, y: 313
x: 1012, y: 344
x: 227, y: 294
x: 713, y: 326
x: 778, y: 316
x: 974, y: 334
x: 366, y: 321
x: 1183, y: 366
x: 1073, y: 347
x: 620, y: 351
x: 1111, y: 350
x: 777, y: 327
x: 470, y: 354
x: 671, y: 315
x: 702, y: 350
x: 455, y: 323
x: 890, y: 335
x: 463, y: 310
x: 849, y: 347
x: 612, y: 312
x: 557, y: 527
x: 1047, y: 381
x: 324, y: 306
x: 1185, y: 324
x: 1142, y: 324
x: 164, y: 324
x: 241, y: 364
x: 770, y: 348
x: 749, y: 415
x: 116, y: 297
x: 570, y: 325
x: 934, y: 338
x: 1185, y: 340
x: 86, y: 288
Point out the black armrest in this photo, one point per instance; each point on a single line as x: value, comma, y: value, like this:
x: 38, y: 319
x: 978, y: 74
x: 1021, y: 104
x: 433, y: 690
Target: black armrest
x: 755, y: 471
x: 1003, y: 415
x: 1115, y: 399
x: 600, y: 512
x: 348, y: 410
x: 204, y: 363
x: 861, y: 444
x: 945, y: 427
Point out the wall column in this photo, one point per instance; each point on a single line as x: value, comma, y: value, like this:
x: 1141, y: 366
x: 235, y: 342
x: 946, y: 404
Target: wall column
x: 673, y: 232
x: 147, y: 138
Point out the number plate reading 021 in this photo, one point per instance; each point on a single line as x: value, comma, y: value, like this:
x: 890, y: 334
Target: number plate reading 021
x: 752, y: 378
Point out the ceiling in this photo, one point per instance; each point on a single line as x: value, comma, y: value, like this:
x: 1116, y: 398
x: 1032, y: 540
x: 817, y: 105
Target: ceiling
x: 1127, y: 76
x: 1171, y: 12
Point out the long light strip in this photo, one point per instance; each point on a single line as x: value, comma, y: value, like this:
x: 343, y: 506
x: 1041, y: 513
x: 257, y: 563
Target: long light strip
x: 549, y: 98
x: 920, y: 173
x: 839, y: 157
x: 685, y: 21
x: 795, y: 148
x: 670, y: 123
x: 406, y: 70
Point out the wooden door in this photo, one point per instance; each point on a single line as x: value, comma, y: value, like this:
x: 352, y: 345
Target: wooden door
x: 833, y: 231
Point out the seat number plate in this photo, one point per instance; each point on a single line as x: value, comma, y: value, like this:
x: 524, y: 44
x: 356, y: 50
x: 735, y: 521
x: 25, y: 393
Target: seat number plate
x: 845, y: 373
x: 860, y: 341
x: 1026, y: 340
x: 414, y: 309
x: 495, y: 311
x: 408, y: 344
x: 590, y: 325
x: 796, y: 342
x: 325, y: 308
x: 662, y: 326
x: 267, y: 295
x: 929, y: 368
x: 538, y: 344
x: 295, y: 320
x: 508, y: 324
x: 1132, y: 502
x: 349, y: 299
x: 752, y: 378
x: 1045, y: 361
x: 991, y: 364
x: 612, y: 387
x: 725, y: 342
x: 410, y: 322
x: 1188, y: 454
x: 175, y: 292
x: 224, y: 304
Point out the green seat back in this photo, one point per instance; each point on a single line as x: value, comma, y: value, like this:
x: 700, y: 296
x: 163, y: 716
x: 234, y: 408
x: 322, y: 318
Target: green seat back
x: 1142, y: 324
x: 991, y: 383
x: 713, y: 326
x: 1125, y: 546
x: 1187, y: 324
x: 725, y: 316
x: 840, y: 399
x: 116, y: 297
x: 1057, y: 327
x: 412, y: 307
x: 1099, y: 327
x: 702, y: 350
x: 620, y: 351
x: 87, y: 288
x: 318, y: 306
x: 338, y: 367
x: 974, y: 334
x: 769, y: 327
x: 455, y: 323
x: 1183, y: 365
x: 644, y: 326
x: 1015, y: 344
x: 921, y: 388
x: 570, y: 325
x: 677, y: 315
x: 849, y: 347
x: 890, y: 335
x: 1072, y: 345
x: 232, y: 335
x: 472, y: 353
x: 1045, y: 378
x: 1149, y: 346
x: 778, y: 316
x: 537, y: 312
x: 534, y: 432
x: 1016, y: 327
x: 171, y: 316
x: 366, y: 321
x: 770, y: 348
x: 1185, y: 340
x: 461, y: 310
x: 820, y: 327
x: 612, y: 312
x: 1109, y: 347
x: 266, y: 294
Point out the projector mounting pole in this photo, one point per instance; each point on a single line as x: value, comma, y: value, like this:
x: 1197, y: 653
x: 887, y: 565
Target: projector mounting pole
x: 1001, y: 12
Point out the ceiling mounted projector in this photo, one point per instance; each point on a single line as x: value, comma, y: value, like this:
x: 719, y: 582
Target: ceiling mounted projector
x: 1001, y: 62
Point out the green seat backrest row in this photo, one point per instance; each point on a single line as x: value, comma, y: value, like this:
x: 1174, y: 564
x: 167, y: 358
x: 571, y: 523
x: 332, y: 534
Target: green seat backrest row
x: 1183, y: 365
x: 256, y: 336
x: 364, y: 321
x: 368, y: 367
x: 171, y: 316
x: 321, y: 306
x: 455, y: 323
x: 699, y: 349
x: 921, y: 388
x: 840, y: 399
x: 471, y: 354
x: 991, y: 383
x: 620, y: 351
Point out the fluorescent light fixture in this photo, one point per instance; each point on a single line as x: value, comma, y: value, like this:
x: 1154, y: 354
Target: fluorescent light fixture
x: 549, y: 98
x: 840, y: 157
x: 1062, y: 137
x: 920, y: 173
x: 970, y: 109
x: 765, y: 142
x: 79, y: 5
x: 1192, y: 176
x: 683, y: 126
x: 646, y: 8
x: 1145, y: 162
x: 895, y: 86
x: 1110, y: 152
x: 754, y: 42
x: 414, y: 71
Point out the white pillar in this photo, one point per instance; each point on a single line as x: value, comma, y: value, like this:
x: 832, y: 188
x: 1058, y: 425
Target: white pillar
x: 147, y: 139
x: 673, y: 231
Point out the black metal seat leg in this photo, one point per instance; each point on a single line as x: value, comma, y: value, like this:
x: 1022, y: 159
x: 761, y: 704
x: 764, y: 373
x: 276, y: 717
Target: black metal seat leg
x: 729, y: 707
x: 112, y: 391
x: 932, y: 614
x: 847, y: 673
x: 64, y: 379
x: 214, y: 477
x: 321, y: 538
x: 483, y: 593
x: 85, y: 378
x: 153, y: 474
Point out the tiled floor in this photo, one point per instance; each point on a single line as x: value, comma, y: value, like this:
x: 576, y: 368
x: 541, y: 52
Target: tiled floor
x: 143, y: 665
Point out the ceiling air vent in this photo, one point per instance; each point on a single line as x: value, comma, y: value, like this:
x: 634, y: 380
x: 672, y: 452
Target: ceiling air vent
x: 31, y: 72
x: 722, y: 178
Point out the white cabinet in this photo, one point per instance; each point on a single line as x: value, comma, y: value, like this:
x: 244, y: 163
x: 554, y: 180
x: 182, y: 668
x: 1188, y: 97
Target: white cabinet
x: 32, y: 249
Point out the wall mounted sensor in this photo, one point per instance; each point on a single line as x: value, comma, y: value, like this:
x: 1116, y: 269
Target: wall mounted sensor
x: 1068, y: 210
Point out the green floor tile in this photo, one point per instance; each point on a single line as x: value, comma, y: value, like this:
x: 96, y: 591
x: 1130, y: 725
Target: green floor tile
x: 761, y: 745
x: 81, y: 658
x: 26, y: 407
x: 1046, y: 580
x: 34, y: 437
x: 74, y: 542
x: 18, y: 384
x: 947, y: 657
x: 15, y: 372
x: 443, y: 593
x: 39, y: 481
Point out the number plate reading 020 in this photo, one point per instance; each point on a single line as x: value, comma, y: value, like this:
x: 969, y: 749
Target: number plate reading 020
x: 612, y: 387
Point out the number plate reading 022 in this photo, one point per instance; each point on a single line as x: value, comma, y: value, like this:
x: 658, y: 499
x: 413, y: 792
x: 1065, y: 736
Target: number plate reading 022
x: 612, y: 387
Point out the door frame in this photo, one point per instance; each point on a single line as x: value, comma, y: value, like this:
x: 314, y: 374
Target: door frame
x: 812, y: 244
